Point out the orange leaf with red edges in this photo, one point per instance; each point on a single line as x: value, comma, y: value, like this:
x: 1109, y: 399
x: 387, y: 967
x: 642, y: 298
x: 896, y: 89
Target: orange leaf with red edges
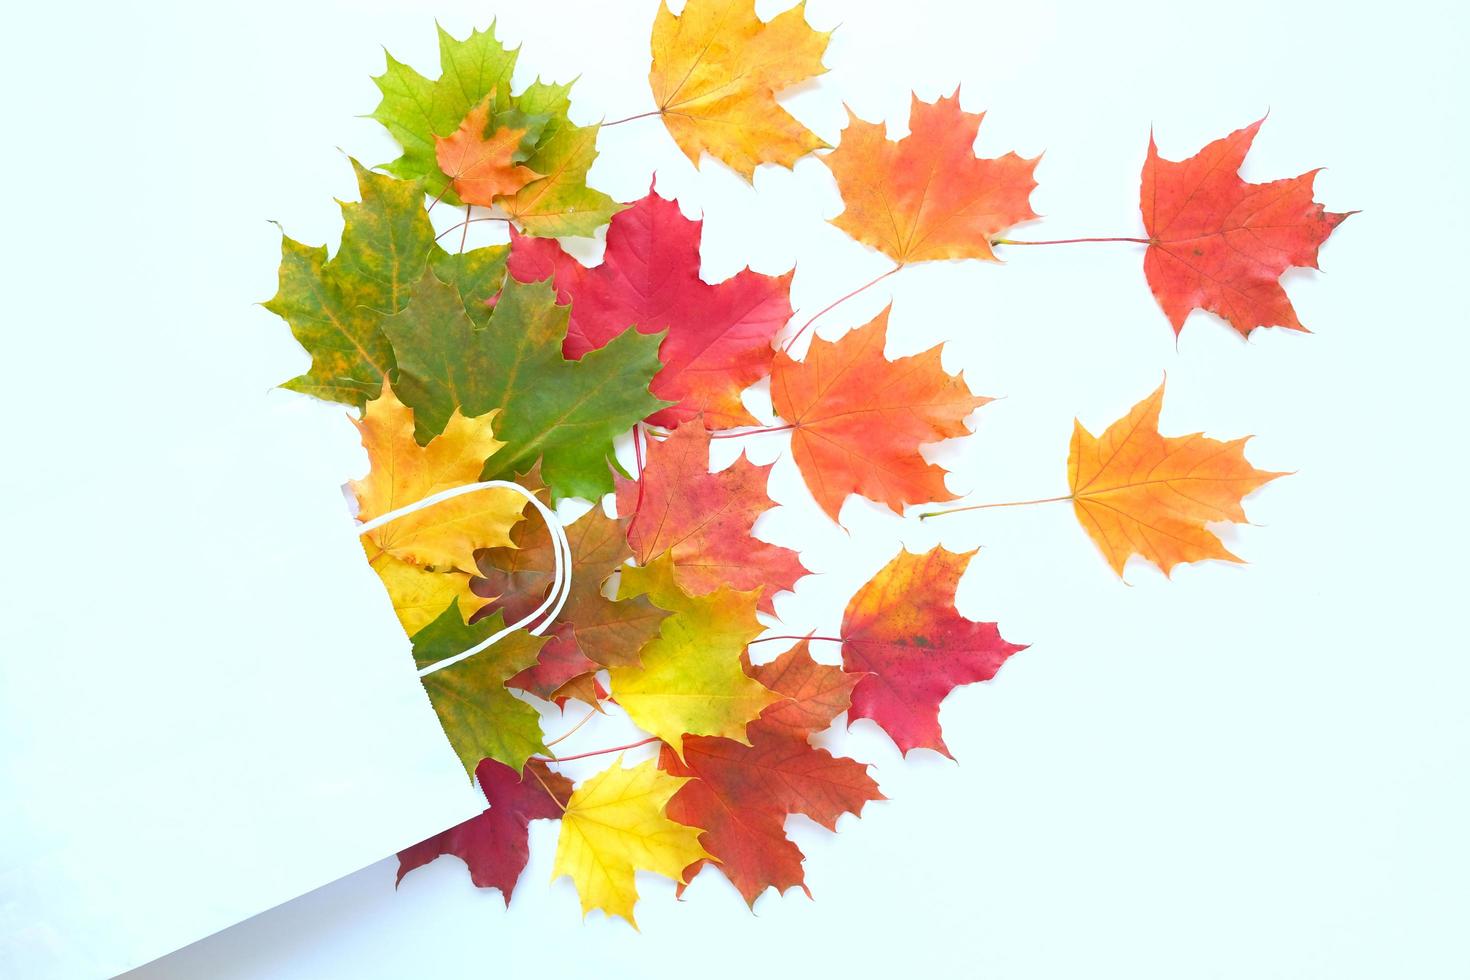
x: 480, y: 165
x: 704, y: 520
x: 903, y: 630
x: 928, y: 196
x: 859, y: 419
x: 719, y: 336
x: 1219, y: 243
x: 1137, y: 492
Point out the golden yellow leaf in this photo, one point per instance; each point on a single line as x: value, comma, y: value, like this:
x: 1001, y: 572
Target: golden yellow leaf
x: 1137, y: 492
x: 716, y: 72
x: 420, y: 594
x: 615, y: 825
x: 691, y: 680
x: 444, y: 536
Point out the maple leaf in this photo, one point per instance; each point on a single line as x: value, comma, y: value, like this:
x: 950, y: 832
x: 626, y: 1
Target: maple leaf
x: 1219, y: 243
x: 704, y: 520
x: 559, y: 671
x: 903, y: 630
x: 1137, y: 492
x: 402, y: 472
x: 609, y: 632
x: 743, y: 794
x: 494, y: 844
x: 416, y: 110
x: 691, y: 679
x: 420, y: 594
x: 483, y: 163
x: 615, y: 825
x: 476, y: 275
x: 717, y: 70
x: 928, y: 196
x: 564, y: 413
x: 719, y: 336
x: 559, y: 203
x: 335, y: 307
x: 815, y: 693
x: 481, y: 717
x: 859, y: 419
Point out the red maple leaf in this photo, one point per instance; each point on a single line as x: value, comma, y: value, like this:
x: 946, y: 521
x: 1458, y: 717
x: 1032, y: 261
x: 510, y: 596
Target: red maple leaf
x: 903, y: 630
x: 719, y: 336
x: 741, y: 795
x: 560, y: 663
x: 1219, y: 243
x: 494, y: 843
x: 703, y: 519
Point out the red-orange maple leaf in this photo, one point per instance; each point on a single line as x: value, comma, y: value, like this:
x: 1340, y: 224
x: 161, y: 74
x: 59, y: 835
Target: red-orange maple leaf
x: 561, y: 671
x: 1219, y: 243
x: 719, y: 336
x: 482, y: 166
x: 816, y: 693
x: 703, y: 519
x: 859, y: 419
x: 741, y: 795
x: 493, y: 843
x: 903, y: 630
x: 928, y: 196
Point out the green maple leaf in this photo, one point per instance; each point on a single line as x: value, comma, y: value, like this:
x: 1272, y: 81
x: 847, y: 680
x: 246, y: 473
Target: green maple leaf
x: 564, y: 413
x: 476, y: 275
x: 335, y: 307
x: 480, y: 716
x: 415, y: 109
x: 560, y: 203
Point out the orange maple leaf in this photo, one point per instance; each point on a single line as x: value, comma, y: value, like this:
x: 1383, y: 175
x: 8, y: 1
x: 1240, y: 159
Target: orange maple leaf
x: 1220, y: 244
x: 928, y: 196
x: 1137, y: 492
x: 858, y: 419
x: 481, y: 167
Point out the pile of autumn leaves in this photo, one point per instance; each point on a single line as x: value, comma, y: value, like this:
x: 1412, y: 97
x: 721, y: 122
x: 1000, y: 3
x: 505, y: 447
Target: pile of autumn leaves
x: 516, y: 362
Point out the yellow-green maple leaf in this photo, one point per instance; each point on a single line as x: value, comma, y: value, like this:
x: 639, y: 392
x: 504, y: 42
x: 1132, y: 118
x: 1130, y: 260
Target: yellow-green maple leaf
x: 691, y: 681
x: 615, y: 825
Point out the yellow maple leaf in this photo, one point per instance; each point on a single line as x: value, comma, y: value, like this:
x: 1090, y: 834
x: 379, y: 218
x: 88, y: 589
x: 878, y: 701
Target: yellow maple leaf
x: 1137, y: 492
x: 444, y: 536
x: 420, y: 594
x: 690, y: 681
x: 716, y: 71
x: 615, y: 825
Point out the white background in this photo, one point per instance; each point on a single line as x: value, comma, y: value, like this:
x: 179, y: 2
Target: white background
x: 1250, y: 772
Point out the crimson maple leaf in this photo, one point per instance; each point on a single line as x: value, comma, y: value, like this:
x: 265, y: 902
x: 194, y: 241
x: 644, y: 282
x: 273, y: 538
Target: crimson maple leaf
x: 703, y: 519
x: 494, y: 843
x: 903, y: 630
x: 1219, y: 243
x: 719, y: 336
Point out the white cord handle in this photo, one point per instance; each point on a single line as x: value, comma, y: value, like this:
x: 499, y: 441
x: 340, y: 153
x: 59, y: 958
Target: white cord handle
x: 561, y: 553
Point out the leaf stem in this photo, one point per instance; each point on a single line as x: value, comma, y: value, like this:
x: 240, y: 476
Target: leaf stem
x: 1008, y: 503
x: 1068, y: 241
x: 588, y: 755
x: 573, y: 730
x: 836, y: 303
x: 627, y: 119
x: 469, y: 222
x: 757, y: 431
x: 769, y: 639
